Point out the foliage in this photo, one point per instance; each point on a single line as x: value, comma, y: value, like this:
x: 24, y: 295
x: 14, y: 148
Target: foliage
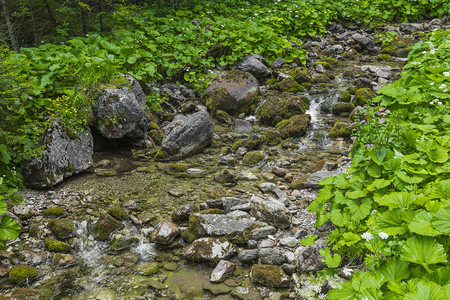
x: 393, y: 204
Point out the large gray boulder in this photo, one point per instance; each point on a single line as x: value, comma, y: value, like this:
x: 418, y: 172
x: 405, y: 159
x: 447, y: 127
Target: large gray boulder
x: 253, y: 64
x: 364, y: 41
x: 186, y: 136
x: 218, y: 225
x: 63, y: 156
x: 120, y: 112
x: 271, y: 211
x: 209, y: 250
x: 233, y: 92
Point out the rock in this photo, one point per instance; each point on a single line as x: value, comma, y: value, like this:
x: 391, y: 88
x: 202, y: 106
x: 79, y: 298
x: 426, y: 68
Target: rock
x: 61, y: 228
x: 225, y: 177
x: 120, y: 112
x: 242, y: 126
x: 253, y: 142
x: 61, y: 260
x: 311, y: 180
x: 26, y: 257
x: 253, y: 65
x: 182, y: 212
x: 22, y: 274
x: 186, y: 284
x: 270, y: 211
x: 22, y: 211
x: 118, y: 213
x: 186, y: 136
x: 288, y: 269
x: 54, y: 212
x: 64, y: 155
x: 290, y: 242
x: 217, y: 289
x: 364, y: 41
x: 340, y: 130
x: 362, y: 82
x: 409, y: 28
x: 271, y: 256
x: 309, y: 258
x: 362, y: 96
x: 294, y: 127
x: 165, y: 233
x: 103, y: 228
x: 247, y: 256
x: 269, y: 275
x: 320, y: 68
x: 170, y: 266
x: 357, y: 112
x: 120, y: 242
x: 273, y: 137
x: 262, y: 232
x: 53, y: 245
x: 222, y: 270
x: 345, y: 97
x: 289, y: 85
x: 300, y: 75
x: 267, y: 187
x: 378, y: 71
x: 278, y: 63
x: 342, y: 108
x: 209, y: 249
x: 147, y: 268
x: 281, y: 107
x: 219, y: 225
x: 233, y: 92
x: 252, y: 158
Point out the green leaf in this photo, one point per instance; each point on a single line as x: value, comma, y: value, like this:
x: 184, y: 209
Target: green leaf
x: 421, y: 224
x: 331, y: 261
x: 355, y: 194
x: 347, y: 292
x: 441, y: 189
x: 426, y: 291
x: 392, y: 222
x: 378, y: 184
x: 3, y: 205
x: 441, y: 220
x: 395, y: 269
x: 410, y: 180
x: 308, y: 241
x: 9, y: 228
x: 393, y: 164
x: 378, y: 155
x: 359, y: 212
x: 424, y: 251
x: 438, y: 155
x: 397, y: 200
x: 374, y: 170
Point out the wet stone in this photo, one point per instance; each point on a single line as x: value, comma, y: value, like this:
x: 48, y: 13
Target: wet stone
x: 289, y: 242
x: 165, y: 233
x: 289, y: 269
x: 103, y: 228
x: 222, y: 270
x: 26, y: 257
x: 209, y: 250
x: 182, y: 212
x: 247, y: 256
x: 262, y: 232
x: 218, y: 225
x: 22, y: 212
x: 270, y: 211
x: 271, y: 256
x: 242, y: 126
x: 269, y: 275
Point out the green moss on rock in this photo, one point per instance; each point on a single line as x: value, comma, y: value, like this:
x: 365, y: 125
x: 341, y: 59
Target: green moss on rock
x: 269, y: 275
x: 147, y: 268
x: 342, y: 107
x: 106, y: 224
x: 325, y: 64
x: 362, y: 96
x: 53, y: 212
x: 279, y: 108
x: 61, y: 228
x: 22, y: 274
x: 300, y: 75
x: 272, y: 137
x: 345, y: 97
x: 340, y: 129
x: 294, y: 127
x: 53, y: 245
x: 252, y: 158
x: 118, y: 213
x: 288, y: 85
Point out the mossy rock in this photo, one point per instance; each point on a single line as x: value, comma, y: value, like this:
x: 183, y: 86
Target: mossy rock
x: 147, y: 268
x: 170, y: 266
x: 342, y: 107
x: 321, y: 78
x: 161, y: 155
x: 300, y: 75
x: 325, y: 64
x: 152, y: 125
x: 236, y: 145
x: 156, y: 135
x: 53, y: 245
x: 225, y: 177
x: 281, y: 107
x: 288, y: 85
x: 352, y: 89
x: 345, y: 97
x: 270, y: 81
x: 384, y: 57
x: 299, y: 183
x: 399, y: 47
x: 118, y: 213
x: 212, y: 211
x: 191, y: 233
x: 340, y: 129
x: 253, y: 142
x: 61, y: 228
x: 362, y: 96
x: 54, y: 212
x: 307, y: 85
x: 223, y: 116
x: 269, y: 275
x: 272, y: 137
x: 120, y: 243
x: 252, y: 158
x: 22, y: 274
x: 294, y: 127
x: 103, y: 228
x: 177, y: 167
x: 332, y: 61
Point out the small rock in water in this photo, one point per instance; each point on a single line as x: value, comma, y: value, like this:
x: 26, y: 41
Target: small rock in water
x: 271, y: 256
x: 165, y: 233
x: 182, y: 212
x: 22, y: 212
x: 242, y: 126
x: 223, y: 269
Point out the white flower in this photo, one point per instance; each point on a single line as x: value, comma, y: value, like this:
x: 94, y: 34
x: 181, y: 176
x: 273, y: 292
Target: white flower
x: 424, y: 52
x: 446, y: 74
x: 439, y: 103
x: 383, y: 235
x: 432, y: 51
x: 443, y: 86
x: 367, y: 236
x: 347, y: 272
x: 432, y: 83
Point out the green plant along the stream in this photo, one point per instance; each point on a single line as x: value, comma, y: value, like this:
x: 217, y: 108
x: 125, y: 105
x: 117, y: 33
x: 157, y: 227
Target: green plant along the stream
x: 393, y: 206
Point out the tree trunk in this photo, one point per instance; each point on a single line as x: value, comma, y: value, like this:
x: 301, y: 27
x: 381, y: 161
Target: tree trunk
x: 83, y: 20
x: 50, y: 13
x: 36, y: 38
x: 12, y: 36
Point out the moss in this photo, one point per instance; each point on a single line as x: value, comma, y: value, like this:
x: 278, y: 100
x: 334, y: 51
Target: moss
x: 147, y: 268
x: 270, y: 81
x: 22, y: 274
x: 170, y: 266
x: 118, y: 213
x: 269, y: 275
x: 300, y: 75
x: 105, y: 225
x: 152, y: 125
x: 299, y: 183
x: 122, y: 243
x: 345, y: 97
x: 340, y: 129
x: 399, y: 47
x: 177, y: 167
x: 53, y: 212
x: 212, y: 211
x: 156, y: 135
x: 294, y: 127
x: 61, y: 228
x: 323, y: 63
x: 253, y: 142
x: 236, y: 145
x: 53, y: 245
x: 279, y: 108
x: 252, y: 158
x: 362, y: 96
x: 222, y: 116
x: 289, y: 85
x: 342, y: 107
x: 273, y: 137
x: 384, y: 57
x: 191, y: 233
x: 332, y: 61
x: 352, y: 89
x: 320, y: 78
x: 307, y: 85
x: 162, y: 155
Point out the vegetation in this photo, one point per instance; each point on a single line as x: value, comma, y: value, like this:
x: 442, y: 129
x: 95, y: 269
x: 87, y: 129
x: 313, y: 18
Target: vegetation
x: 394, y: 209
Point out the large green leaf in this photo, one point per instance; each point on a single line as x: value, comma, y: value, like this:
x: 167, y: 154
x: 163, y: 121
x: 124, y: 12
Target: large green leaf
x: 3, y: 206
x: 356, y: 194
x: 378, y: 155
x: 424, y: 251
x: 427, y: 291
x: 408, y: 179
x: 347, y: 292
x: 441, y: 220
x: 421, y: 224
x: 392, y: 222
x: 395, y: 269
x: 9, y: 228
x: 360, y: 211
x: 438, y: 155
x: 378, y: 184
x: 397, y: 200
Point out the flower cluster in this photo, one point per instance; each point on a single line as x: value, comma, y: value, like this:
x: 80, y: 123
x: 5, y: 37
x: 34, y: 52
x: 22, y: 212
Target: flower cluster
x: 435, y: 101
